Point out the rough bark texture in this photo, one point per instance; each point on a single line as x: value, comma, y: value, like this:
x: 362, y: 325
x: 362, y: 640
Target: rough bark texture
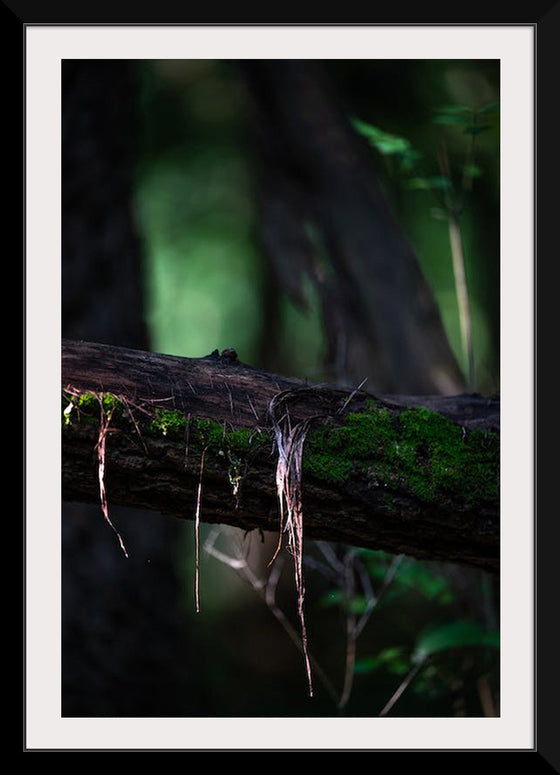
x: 378, y: 472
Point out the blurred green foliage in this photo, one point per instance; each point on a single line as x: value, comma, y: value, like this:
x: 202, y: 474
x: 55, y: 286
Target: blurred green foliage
x: 448, y: 191
x: 199, y: 212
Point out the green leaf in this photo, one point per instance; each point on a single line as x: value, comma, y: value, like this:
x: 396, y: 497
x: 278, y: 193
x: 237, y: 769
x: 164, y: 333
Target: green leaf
x: 369, y: 131
x: 391, y: 144
x: 392, y: 658
x: 453, y: 635
x: 385, y: 142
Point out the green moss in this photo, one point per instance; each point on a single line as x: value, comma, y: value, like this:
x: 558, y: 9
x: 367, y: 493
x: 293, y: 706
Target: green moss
x: 216, y: 436
x: 87, y: 406
x: 113, y: 405
x: 243, y: 440
x: 168, y: 422
x: 444, y: 459
x: 232, y: 448
x: 332, y: 452
x: 87, y: 402
x: 418, y: 450
x: 228, y: 447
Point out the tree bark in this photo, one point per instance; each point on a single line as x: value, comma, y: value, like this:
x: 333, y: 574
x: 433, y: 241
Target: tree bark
x: 184, y: 436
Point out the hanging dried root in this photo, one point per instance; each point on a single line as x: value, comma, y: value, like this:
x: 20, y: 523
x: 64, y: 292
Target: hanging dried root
x: 104, y: 422
x: 79, y: 399
x: 290, y: 441
x: 197, y: 532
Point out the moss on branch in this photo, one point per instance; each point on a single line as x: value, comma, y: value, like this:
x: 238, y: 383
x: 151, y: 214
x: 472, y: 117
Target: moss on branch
x: 415, y: 450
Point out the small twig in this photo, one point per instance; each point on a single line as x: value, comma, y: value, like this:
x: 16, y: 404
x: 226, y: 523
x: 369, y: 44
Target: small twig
x: 230, y: 401
x: 252, y: 407
x: 351, y: 396
x: 267, y: 592
x: 331, y: 568
x: 404, y: 684
x: 353, y: 568
x: 210, y: 548
x: 365, y: 581
x: 390, y: 574
x: 133, y: 420
x: 329, y: 554
x: 349, y: 591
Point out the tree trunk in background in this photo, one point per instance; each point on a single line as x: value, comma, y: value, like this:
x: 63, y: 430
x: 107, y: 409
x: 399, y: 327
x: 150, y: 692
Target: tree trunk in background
x: 124, y: 649
x: 101, y: 278
x: 324, y: 217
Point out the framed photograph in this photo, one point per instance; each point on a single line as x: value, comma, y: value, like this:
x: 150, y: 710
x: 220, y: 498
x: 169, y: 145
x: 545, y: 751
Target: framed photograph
x: 337, y: 207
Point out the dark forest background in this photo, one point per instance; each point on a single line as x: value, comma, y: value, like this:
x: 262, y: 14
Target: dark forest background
x: 303, y: 213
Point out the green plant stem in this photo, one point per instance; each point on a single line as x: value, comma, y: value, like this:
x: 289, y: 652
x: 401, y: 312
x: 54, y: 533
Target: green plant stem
x: 461, y: 290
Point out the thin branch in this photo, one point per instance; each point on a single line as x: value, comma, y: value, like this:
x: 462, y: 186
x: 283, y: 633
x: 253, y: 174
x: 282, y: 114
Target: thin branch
x: 349, y: 593
x: 266, y: 590
x: 402, y: 687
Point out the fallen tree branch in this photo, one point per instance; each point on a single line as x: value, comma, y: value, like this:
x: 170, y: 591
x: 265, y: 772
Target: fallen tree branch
x: 413, y: 475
